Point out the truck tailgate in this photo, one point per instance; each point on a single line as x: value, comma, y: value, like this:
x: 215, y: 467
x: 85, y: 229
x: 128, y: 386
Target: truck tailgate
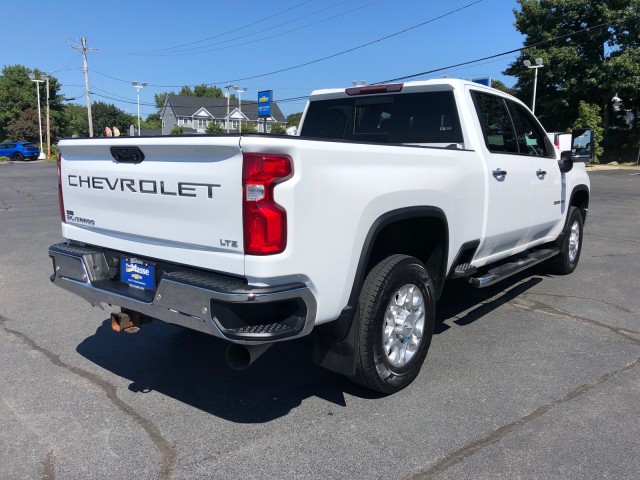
x: 181, y: 203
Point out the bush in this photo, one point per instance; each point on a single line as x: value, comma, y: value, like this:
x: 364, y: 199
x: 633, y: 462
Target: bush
x: 214, y: 128
x: 177, y: 131
x: 248, y: 127
x: 278, y: 129
x: 4, y: 159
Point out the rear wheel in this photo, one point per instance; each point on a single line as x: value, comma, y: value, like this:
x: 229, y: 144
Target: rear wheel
x: 18, y: 156
x: 397, y: 316
x: 567, y: 260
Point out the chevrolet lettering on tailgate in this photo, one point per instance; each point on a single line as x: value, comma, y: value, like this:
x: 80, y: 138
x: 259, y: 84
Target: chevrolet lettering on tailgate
x: 155, y: 187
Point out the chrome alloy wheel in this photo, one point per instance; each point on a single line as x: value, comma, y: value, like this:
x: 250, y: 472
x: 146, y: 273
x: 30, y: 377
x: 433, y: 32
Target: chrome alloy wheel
x: 574, y: 241
x: 403, y: 325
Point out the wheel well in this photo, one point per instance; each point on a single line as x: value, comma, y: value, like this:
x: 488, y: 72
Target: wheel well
x: 580, y: 200
x: 423, y: 237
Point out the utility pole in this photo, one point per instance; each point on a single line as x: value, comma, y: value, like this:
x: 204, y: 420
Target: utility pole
x: 228, y: 87
x: 85, y: 68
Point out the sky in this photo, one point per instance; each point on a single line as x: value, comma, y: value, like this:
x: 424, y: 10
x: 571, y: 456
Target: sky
x: 312, y: 44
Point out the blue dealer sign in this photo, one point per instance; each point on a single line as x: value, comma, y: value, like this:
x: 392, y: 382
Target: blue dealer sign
x: 264, y: 103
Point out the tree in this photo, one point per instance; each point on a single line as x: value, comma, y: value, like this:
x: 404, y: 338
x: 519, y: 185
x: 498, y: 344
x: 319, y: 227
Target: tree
x: 204, y: 90
x: 214, y: 128
x: 152, y: 122
x: 498, y: 85
x: 160, y: 98
x: 589, y: 117
x: 278, y: 129
x: 18, y: 93
x: 589, y: 62
x: 25, y: 127
x: 108, y: 115
x: 77, y: 124
x: 294, y: 119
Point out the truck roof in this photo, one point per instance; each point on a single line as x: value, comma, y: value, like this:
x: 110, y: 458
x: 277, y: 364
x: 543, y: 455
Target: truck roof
x: 422, y: 85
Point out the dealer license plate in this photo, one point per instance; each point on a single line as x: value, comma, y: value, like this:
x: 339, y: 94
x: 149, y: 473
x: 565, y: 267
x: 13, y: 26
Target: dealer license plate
x: 138, y: 273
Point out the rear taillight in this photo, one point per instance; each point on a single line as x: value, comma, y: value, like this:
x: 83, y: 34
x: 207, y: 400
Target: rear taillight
x: 62, y: 215
x: 264, y: 221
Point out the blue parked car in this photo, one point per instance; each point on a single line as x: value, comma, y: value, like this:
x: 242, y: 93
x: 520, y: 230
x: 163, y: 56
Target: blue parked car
x: 19, y: 150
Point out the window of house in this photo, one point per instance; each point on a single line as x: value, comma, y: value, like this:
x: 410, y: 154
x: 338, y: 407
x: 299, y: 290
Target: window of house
x: 202, y: 122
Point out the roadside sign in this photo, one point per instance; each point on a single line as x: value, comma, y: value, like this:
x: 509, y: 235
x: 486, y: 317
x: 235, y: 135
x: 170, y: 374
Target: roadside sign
x: 483, y: 81
x: 264, y: 103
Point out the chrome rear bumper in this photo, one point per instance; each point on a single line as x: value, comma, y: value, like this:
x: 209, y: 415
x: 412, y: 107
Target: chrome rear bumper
x: 222, y: 306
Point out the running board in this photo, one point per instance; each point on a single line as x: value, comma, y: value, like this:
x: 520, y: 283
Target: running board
x: 508, y: 269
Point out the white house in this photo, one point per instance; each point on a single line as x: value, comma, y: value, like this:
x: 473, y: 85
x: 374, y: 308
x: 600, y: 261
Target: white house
x: 194, y: 114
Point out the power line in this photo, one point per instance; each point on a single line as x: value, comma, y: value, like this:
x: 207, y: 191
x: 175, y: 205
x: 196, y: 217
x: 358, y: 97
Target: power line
x: 378, y: 40
x: 440, y: 69
x: 222, y: 34
x: 196, y: 50
x: 515, y: 50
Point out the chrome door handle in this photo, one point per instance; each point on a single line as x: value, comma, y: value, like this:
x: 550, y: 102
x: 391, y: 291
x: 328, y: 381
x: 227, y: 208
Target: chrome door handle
x: 498, y: 172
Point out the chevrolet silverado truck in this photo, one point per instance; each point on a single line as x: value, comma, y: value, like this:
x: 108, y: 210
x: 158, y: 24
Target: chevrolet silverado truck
x: 349, y: 230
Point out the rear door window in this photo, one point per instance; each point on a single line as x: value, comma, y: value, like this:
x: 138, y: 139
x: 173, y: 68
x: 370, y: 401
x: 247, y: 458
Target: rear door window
x: 531, y: 138
x: 497, y: 127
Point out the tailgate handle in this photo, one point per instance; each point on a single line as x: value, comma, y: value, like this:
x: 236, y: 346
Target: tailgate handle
x: 127, y: 154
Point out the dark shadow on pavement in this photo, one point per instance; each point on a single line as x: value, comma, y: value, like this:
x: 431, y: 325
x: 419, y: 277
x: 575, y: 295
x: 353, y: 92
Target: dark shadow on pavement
x: 464, y: 304
x: 191, y: 368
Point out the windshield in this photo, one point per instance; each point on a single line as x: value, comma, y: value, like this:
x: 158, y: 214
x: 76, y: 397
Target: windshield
x: 422, y: 118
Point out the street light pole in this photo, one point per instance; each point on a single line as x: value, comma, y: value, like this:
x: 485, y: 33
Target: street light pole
x: 46, y: 78
x: 240, y: 92
x: 527, y: 63
x: 38, y: 82
x: 138, y: 88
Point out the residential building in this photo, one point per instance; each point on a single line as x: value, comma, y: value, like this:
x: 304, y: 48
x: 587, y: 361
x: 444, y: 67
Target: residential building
x: 194, y: 114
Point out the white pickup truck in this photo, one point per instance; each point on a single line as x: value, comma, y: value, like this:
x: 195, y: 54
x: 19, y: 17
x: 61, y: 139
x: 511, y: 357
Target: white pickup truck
x: 349, y: 230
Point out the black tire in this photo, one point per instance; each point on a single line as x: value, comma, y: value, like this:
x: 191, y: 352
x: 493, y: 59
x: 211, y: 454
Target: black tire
x: 375, y: 368
x: 567, y: 260
x: 18, y: 156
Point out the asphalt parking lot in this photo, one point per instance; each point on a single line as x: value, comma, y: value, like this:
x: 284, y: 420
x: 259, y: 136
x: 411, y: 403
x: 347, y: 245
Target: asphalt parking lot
x: 536, y: 377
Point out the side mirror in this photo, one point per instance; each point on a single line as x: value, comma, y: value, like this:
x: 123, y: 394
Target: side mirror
x: 582, y: 145
x: 566, y: 162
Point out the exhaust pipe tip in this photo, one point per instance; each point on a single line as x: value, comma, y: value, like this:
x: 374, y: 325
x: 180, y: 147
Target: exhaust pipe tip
x: 121, y: 322
x: 239, y: 357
